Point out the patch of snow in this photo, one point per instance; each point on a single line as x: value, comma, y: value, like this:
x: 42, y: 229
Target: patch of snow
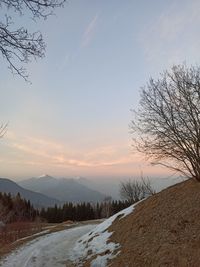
x: 43, y: 175
x: 28, y: 236
x: 101, y: 261
x: 97, y: 242
x: 46, y: 251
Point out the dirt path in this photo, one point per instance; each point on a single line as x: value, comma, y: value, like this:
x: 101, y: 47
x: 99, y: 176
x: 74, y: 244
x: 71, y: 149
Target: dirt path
x: 52, y: 250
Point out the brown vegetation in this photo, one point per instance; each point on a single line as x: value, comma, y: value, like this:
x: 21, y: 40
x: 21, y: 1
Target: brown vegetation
x: 13, y: 233
x: 164, y: 230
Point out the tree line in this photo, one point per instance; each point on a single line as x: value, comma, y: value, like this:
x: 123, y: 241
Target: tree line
x: 83, y: 211
x: 15, y: 209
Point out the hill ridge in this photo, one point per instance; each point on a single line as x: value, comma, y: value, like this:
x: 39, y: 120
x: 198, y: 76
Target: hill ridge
x: 162, y: 230
x: 65, y: 190
x: 37, y: 199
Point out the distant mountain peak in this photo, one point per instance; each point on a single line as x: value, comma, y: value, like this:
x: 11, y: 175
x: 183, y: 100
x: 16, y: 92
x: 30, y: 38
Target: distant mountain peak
x: 45, y: 176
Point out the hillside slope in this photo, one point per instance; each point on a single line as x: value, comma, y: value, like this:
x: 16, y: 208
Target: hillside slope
x: 163, y: 230
x: 37, y: 199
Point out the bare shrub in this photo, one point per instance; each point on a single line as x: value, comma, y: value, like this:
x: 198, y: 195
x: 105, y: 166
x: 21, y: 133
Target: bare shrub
x: 135, y: 190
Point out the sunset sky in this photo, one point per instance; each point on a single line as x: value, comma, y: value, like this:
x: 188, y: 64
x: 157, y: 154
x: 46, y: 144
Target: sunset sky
x: 73, y: 120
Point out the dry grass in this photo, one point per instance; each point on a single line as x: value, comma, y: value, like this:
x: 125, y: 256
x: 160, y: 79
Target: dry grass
x: 164, y: 230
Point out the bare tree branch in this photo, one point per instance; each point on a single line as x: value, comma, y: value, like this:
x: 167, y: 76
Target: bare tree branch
x: 19, y: 46
x: 135, y: 190
x: 167, y: 123
x: 37, y: 8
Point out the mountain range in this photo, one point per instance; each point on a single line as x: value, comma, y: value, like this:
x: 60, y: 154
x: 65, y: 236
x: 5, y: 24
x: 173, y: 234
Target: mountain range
x: 65, y: 190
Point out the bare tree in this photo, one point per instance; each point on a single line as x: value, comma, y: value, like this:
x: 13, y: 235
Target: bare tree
x: 147, y: 187
x: 19, y: 46
x: 135, y: 190
x: 166, y: 126
x: 106, y: 207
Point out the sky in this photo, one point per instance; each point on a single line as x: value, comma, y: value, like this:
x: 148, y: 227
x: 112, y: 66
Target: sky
x: 73, y: 119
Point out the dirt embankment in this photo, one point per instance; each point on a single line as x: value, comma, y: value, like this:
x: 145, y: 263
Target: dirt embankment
x: 164, y: 230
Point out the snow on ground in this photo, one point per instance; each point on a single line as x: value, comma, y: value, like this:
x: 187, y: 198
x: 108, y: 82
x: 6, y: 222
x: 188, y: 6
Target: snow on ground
x: 55, y: 249
x: 27, y: 237
x: 96, y: 243
x: 51, y: 250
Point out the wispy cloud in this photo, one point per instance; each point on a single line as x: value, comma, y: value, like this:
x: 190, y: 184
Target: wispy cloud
x: 86, y: 39
x: 174, y: 35
x: 32, y: 150
x: 89, y: 31
x: 22, y: 155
